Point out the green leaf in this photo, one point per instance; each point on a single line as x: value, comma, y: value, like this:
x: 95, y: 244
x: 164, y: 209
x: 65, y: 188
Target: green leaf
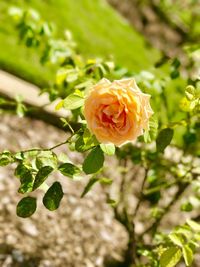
x: 105, y: 181
x: 185, y: 231
x: 146, y: 75
x: 80, y: 145
x: 150, y: 134
x: 89, y: 139
x: 46, y: 29
x: 194, y: 225
x: 61, y: 76
x: 187, y: 255
x: 174, y: 74
x: 94, y: 161
x: 176, y: 63
x: 5, y: 158
x: 187, y: 207
x: 26, y: 178
x: 33, y: 14
x: 164, y: 139
x: 72, y: 77
x: 192, y: 244
x: 26, y: 184
x: 53, y: 196
x: 69, y: 169
x: 26, y: 207
x: 136, y: 155
x: 21, y: 170
x: 190, y: 92
x: 59, y: 105
x: 85, y: 141
x: 62, y: 157
x: 85, y: 84
x: 177, y: 239
x: 16, y: 13
x: 190, y: 137
x: 112, y: 202
x: 46, y: 158
x: 89, y: 185
x: 108, y: 149
x: 19, y: 156
x: 41, y: 176
x: 73, y: 101
x: 170, y: 257
x: 20, y: 110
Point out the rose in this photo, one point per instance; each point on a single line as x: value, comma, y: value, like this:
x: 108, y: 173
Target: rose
x: 117, y: 112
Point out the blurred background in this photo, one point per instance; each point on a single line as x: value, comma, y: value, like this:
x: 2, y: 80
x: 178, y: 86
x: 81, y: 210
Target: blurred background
x: 136, y: 35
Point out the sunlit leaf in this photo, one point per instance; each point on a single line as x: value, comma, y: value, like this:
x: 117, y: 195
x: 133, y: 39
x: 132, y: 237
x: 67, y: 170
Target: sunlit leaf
x: 73, y: 101
x: 170, y: 257
x: 46, y: 158
x: 187, y: 255
x: 108, y: 149
x: 151, y: 132
x: 177, y: 239
x: 59, y: 105
x: 194, y: 225
x: 61, y: 76
x: 105, y: 181
x: 5, y: 158
x: 190, y: 92
x: 41, y: 176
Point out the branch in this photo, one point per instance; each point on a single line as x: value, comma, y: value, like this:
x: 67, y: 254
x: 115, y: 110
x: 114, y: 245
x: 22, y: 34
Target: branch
x: 126, y: 220
x: 34, y: 112
x: 141, y: 194
x: 154, y: 226
x: 44, y: 149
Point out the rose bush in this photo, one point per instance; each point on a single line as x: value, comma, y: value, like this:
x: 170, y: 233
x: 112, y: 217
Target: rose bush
x: 155, y: 174
x: 117, y: 112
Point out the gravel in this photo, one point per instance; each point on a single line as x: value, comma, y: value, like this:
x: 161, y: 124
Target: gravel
x: 81, y: 233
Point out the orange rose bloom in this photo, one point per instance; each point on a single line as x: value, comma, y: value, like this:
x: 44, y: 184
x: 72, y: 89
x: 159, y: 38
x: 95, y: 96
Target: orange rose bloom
x: 117, y: 112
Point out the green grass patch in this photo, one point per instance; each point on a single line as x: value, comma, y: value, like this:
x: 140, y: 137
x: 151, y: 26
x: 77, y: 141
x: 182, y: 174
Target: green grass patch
x: 96, y: 27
